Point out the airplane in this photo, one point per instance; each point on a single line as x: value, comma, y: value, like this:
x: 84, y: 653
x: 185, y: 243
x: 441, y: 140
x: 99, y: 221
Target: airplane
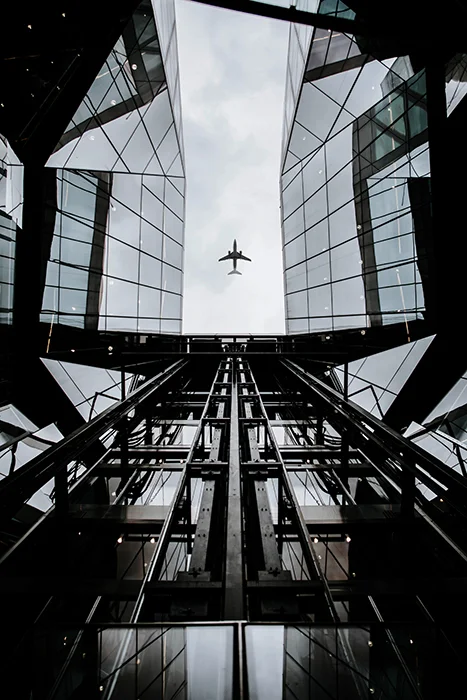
x: 235, y: 255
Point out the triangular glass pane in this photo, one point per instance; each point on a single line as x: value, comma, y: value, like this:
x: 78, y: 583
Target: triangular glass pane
x: 290, y: 161
x: 302, y: 141
x: 168, y: 149
x: 316, y: 111
x: 153, y: 167
x: 179, y: 183
x: 290, y: 174
x: 176, y: 167
x: 121, y: 130
x: 158, y: 118
x: 138, y: 151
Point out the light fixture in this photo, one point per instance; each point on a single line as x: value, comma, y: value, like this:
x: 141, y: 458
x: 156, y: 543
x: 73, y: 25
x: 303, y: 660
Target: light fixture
x: 319, y: 172
x: 441, y: 500
x: 114, y: 493
x: 359, y: 226
x: 328, y: 337
x: 72, y: 350
x: 29, y: 26
x: 153, y: 540
x: 120, y: 540
x: 63, y: 14
x: 372, y: 691
x: 411, y: 641
x: 138, y: 661
x: 363, y: 332
x: 319, y: 556
x: 73, y: 308
x: 316, y: 540
x: 113, y: 102
x: 110, y: 348
x: 101, y: 688
x: 79, y: 533
x: 1, y: 104
x: 347, y: 539
x: 370, y: 643
x: 134, y: 66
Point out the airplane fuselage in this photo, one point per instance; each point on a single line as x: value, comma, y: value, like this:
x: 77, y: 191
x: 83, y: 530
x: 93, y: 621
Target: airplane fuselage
x: 234, y: 255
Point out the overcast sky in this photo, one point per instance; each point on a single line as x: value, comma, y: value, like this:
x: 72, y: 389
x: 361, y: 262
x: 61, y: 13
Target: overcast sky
x: 232, y: 68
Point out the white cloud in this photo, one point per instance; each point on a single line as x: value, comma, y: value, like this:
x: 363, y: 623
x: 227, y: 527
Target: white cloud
x: 232, y: 68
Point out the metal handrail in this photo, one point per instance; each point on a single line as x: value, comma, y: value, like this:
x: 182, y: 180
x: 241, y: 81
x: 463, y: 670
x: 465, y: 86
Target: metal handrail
x: 25, y: 481
x: 391, y: 441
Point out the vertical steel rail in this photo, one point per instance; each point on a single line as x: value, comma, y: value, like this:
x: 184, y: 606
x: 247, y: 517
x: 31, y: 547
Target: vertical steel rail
x: 157, y: 558
x: 198, y: 563
x: 234, y: 596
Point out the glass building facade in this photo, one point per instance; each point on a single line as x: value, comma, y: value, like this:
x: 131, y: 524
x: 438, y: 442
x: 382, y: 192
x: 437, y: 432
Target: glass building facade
x: 116, y: 257
x: 355, y: 184
x: 11, y: 209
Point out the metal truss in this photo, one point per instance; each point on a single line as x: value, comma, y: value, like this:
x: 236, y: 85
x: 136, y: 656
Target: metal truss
x: 234, y: 490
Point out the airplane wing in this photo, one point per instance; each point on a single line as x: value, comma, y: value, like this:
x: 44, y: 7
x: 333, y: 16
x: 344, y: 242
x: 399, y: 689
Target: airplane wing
x: 243, y: 257
x: 226, y: 257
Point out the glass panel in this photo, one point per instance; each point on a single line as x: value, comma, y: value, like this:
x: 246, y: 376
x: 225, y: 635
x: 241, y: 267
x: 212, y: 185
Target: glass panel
x: 265, y: 654
x: 213, y: 680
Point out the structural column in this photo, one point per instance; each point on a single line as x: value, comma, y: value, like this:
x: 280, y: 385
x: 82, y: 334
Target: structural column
x: 234, y: 600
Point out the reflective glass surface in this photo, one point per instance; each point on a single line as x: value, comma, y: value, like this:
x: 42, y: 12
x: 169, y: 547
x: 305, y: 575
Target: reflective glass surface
x: 355, y: 186
x: 116, y: 260
x: 11, y: 210
x: 375, y: 381
x: 90, y: 389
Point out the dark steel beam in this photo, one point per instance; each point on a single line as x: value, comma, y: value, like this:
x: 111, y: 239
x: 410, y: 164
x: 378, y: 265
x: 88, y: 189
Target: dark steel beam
x: 234, y: 600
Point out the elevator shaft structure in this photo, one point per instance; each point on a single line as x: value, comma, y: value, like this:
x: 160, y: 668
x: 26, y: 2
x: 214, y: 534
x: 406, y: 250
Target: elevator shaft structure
x: 238, y: 490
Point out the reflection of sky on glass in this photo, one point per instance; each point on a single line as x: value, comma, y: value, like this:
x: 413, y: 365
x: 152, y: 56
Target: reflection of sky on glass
x: 123, y: 220
x: 348, y: 228
x: 375, y: 381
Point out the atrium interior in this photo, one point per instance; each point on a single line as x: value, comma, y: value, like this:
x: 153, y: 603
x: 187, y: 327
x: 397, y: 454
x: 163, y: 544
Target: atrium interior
x: 252, y: 516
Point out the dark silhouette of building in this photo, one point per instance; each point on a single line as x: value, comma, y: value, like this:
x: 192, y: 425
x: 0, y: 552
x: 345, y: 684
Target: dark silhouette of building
x: 247, y: 516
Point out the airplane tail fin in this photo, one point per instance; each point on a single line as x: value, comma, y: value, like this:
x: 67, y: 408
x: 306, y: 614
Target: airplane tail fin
x: 235, y: 272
